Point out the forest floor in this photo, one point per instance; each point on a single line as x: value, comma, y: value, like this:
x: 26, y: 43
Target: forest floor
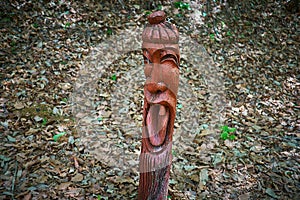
x: 71, y: 100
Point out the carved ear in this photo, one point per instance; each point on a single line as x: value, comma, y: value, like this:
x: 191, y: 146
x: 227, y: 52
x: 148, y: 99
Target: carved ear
x: 178, y: 57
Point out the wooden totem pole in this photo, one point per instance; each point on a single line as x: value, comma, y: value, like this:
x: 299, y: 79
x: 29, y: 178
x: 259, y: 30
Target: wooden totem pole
x: 161, y: 60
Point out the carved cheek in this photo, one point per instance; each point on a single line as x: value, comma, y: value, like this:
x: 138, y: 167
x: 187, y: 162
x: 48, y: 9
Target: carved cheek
x: 171, y: 76
x: 174, y: 80
x: 147, y: 70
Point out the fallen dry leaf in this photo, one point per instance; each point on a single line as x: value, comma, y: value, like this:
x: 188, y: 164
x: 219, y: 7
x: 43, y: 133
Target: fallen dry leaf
x: 77, y: 178
x: 64, y: 186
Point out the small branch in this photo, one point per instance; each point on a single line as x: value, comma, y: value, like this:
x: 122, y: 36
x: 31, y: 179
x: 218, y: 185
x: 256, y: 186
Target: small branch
x: 14, y: 180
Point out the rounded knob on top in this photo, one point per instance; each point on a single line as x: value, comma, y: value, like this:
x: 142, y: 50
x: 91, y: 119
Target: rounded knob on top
x: 157, y: 17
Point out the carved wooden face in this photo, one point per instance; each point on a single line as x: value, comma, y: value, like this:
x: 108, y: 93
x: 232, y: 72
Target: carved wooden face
x: 162, y: 79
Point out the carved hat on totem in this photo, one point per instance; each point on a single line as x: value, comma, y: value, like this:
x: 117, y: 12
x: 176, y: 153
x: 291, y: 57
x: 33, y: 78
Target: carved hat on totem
x: 158, y: 31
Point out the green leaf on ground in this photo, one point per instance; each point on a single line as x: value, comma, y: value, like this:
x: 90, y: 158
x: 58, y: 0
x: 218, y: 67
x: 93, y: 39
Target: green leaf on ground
x: 232, y: 137
x: 224, y: 135
x: 44, y: 121
x: 109, y: 32
x: 114, y: 77
x: 57, y: 136
x: 182, y: 5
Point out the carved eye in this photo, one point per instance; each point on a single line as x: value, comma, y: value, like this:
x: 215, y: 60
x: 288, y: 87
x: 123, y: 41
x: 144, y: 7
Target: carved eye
x: 169, y: 57
x: 146, y: 60
x: 146, y: 56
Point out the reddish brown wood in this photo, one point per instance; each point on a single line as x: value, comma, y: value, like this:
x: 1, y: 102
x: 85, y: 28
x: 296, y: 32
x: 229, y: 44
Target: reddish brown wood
x: 161, y: 60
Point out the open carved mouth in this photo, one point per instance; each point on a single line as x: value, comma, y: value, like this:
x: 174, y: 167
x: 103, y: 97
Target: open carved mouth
x: 157, y: 122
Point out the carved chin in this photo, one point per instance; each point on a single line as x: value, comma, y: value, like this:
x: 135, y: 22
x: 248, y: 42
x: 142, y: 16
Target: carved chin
x: 157, y: 122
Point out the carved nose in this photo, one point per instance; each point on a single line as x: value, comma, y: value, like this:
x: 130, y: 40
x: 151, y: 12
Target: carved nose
x: 156, y: 87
